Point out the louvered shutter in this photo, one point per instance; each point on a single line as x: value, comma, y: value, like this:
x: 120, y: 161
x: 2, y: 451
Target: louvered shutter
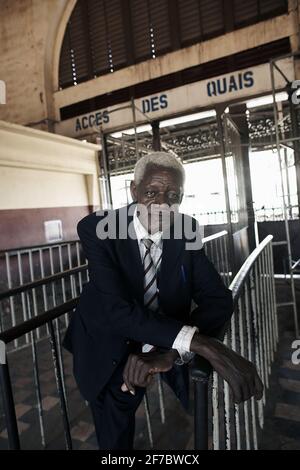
x: 140, y: 29
x: 115, y: 32
x: 65, y: 67
x: 78, y: 45
x: 211, y: 17
x: 189, y: 20
x: 245, y: 11
x: 269, y: 6
x: 159, y: 18
x: 98, y: 34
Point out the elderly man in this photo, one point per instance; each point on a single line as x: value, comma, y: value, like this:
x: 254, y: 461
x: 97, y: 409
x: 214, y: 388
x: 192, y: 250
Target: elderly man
x: 134, y: 317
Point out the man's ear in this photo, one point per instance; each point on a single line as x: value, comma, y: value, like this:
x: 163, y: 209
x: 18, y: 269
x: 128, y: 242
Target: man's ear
x: 133, y: 190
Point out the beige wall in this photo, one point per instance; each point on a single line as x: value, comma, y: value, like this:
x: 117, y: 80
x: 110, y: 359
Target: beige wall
x: 22, y: 188
x: 44, y: 177
x: 31, y: 33
x: 39, y: 169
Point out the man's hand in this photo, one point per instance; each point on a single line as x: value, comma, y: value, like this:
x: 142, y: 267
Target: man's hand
x: 240, y: 374
x: 140, y: 368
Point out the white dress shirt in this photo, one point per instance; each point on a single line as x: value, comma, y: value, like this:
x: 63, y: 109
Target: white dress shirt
x: 183, y: 339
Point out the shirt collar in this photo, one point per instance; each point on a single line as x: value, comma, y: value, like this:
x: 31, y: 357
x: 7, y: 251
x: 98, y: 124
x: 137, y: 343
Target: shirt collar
x: 141, y: 232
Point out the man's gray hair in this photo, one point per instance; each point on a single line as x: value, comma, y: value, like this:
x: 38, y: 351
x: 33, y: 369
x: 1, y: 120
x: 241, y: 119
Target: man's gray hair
x: 161, y: 159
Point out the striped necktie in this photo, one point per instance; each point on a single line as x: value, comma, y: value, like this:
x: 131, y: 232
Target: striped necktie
x: 150, y: 278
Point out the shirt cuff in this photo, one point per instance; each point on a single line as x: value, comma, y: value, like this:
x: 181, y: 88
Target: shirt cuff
x: 147, y: 348
x: 182, y: 344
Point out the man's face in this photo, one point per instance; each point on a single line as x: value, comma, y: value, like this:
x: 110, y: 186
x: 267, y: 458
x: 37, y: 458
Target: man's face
x: 160, y: 189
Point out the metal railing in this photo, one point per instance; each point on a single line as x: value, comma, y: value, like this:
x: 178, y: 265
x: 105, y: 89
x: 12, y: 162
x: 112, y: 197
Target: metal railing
x: 23, y: 266
x: 50, y: 324
x: 253, y: 333
x: 273, y: 214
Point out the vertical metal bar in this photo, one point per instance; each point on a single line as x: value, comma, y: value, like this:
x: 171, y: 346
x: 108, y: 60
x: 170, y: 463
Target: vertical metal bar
x: 227, y: 404
x: 217, y: 255
x: 268, y: 311
x: 274, y: 309
x: 161, y: 399
x: 236, y: 407
x: 265, y: 319
x: 201, y: 413
x: 36, y: 377
x: 273, y: 316
x: 61, y: 265
x: 8, y: 401
x: 44, y: 289
x: 23, y: 300
x: 11, y: 299
x: 58, y: 377
x: 148, y: 421
x: 242, y: 343
x: 226, y: 191
x: 262, y: 326
x: 79, y: 264
x: 227, y: 260
x: 134, y: 126
x: 60, y: 357
x: 52, y: 272
x: 215, y: 406
x: 251, y: 359
x: 33, y: 290
x: 259, y: 333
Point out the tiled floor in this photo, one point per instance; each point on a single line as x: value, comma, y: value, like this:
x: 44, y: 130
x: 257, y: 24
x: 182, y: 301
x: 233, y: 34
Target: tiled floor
x: 282, y: 422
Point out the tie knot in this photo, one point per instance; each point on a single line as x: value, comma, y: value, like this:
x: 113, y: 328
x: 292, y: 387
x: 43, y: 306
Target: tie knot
x: 147, y: 242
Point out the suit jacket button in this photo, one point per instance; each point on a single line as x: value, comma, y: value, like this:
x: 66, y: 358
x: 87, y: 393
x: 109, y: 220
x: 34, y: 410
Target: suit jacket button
x: 114, y: 363
x: 128, y: 342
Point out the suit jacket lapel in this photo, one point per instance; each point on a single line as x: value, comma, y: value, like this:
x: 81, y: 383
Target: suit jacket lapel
x: 172, y: 249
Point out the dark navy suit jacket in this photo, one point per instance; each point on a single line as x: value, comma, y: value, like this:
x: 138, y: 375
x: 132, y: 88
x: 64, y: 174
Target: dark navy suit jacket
x: 110, y: 317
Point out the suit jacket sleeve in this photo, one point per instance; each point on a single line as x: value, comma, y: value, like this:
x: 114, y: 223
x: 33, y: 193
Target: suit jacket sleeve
x: 117, y: 308
x: 214, y: 299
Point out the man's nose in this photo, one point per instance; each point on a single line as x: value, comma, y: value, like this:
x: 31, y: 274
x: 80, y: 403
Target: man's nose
x: 161, y: 198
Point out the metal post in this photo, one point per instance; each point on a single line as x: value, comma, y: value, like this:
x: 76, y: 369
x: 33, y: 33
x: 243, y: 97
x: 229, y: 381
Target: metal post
x: 105, y: 169
x: 134, y: 126
x: 227, y: 200
x: 155, y: 136
x: 201, y: 413
x: 60, y: 388
x: 8, y: 401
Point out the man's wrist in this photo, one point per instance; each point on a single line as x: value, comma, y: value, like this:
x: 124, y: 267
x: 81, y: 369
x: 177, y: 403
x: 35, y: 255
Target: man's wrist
x: 174, y: 354
x: 203, y: 345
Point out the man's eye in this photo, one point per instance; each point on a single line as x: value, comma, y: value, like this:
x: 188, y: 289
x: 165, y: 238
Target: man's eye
x: 174, y: 196
x: 149, y: 193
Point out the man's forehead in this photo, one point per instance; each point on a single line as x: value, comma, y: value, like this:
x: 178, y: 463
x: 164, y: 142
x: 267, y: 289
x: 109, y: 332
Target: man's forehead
x: 160, y: 175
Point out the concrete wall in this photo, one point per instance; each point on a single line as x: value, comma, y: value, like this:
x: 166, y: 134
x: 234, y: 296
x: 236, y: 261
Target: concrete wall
x: 31, y: 33
x: 43, y: 177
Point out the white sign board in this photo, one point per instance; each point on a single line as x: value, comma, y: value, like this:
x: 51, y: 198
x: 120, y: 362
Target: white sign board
x: 206, y: 93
